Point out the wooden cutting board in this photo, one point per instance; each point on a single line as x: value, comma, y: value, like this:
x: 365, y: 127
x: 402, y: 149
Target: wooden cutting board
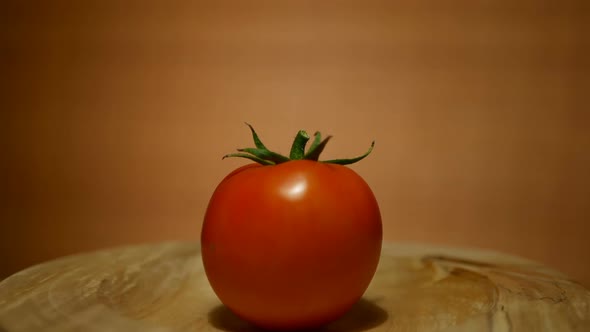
x: 163, y: 287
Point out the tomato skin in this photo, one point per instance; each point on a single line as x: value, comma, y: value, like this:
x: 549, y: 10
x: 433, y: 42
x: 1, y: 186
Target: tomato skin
x: 293, y: 245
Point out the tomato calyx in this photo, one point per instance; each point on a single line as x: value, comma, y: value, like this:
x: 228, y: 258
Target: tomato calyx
x: 262, y: 155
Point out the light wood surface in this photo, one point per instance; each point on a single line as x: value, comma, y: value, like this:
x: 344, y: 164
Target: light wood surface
x: 163, y: 287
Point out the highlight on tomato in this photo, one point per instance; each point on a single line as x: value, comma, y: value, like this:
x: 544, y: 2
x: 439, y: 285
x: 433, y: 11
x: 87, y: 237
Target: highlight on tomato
x: 291, y: 242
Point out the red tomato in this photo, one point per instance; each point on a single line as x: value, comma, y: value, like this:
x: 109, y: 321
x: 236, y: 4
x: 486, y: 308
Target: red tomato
x: 292, y: 245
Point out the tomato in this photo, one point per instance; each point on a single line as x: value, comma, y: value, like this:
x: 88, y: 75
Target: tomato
x: 291, y: 245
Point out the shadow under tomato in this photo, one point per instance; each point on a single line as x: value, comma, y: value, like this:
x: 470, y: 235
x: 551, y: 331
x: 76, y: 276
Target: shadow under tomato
x: 362, y: 316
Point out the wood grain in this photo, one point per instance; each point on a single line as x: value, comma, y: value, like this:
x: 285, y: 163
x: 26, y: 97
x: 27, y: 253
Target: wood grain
x: 163, y: 287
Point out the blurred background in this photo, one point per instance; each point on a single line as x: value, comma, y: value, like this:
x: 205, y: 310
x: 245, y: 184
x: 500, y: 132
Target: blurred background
x: 115, y: 115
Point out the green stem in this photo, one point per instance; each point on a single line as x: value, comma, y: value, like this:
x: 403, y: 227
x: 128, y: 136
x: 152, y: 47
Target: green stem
x: 248, y: 156
x: 298, y: 147
x: 317, y: 139
x: 264, y: 156
x: 257, y: 140
x: 315, y: 151
x: 351, y: 160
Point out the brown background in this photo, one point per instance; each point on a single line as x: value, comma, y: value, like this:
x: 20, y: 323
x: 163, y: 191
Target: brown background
x: 115, y: 116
